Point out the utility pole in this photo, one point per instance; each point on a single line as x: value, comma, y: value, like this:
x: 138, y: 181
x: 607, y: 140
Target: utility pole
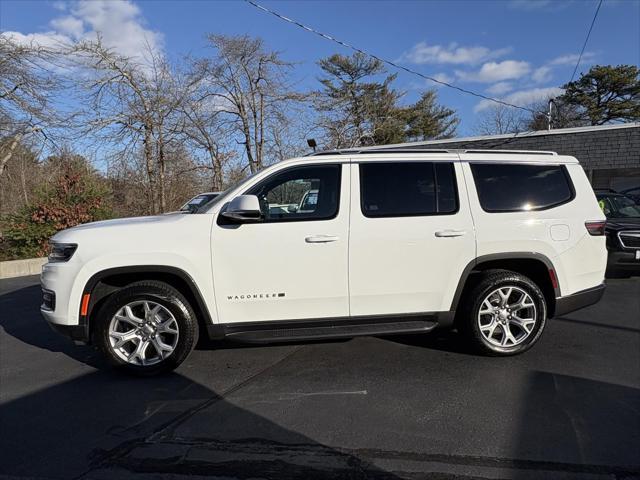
x: 549, y: 121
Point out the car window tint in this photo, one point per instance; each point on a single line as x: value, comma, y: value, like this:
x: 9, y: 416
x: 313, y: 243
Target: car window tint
x: 518, y: 187
x: 301, y: 193
x: 407, y: 189
x: 447, y: 190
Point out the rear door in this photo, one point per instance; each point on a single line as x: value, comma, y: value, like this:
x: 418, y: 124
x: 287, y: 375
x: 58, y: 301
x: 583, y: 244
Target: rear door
x: 411, y: 235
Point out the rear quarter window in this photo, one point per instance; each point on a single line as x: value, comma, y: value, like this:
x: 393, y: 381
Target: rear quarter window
x: 521, y: 188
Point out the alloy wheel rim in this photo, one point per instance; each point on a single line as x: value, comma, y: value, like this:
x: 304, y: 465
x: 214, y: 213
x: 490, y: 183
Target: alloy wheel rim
x: 507, y: 317
x: 143, y: 333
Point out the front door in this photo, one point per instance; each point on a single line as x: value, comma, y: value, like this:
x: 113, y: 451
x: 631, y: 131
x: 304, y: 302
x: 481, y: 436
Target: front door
x: 293, y: 264
x: 411, y: 236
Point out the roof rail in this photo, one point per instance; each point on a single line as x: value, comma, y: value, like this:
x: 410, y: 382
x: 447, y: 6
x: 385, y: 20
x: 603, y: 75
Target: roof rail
x: 382, y: 149
x: 511, y: 152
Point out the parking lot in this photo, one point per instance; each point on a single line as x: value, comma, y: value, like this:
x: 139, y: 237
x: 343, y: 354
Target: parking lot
x: 382, y: 408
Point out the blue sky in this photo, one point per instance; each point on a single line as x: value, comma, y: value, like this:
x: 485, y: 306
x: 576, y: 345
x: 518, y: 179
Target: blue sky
x: 518, y: 50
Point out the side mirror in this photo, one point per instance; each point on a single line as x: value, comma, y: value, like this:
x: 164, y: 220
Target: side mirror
x: 292, y: 208
x: 244, y: 209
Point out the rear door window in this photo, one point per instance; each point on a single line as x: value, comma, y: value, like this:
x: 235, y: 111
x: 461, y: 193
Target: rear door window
x: 402, y: 189
x: 519, y: 187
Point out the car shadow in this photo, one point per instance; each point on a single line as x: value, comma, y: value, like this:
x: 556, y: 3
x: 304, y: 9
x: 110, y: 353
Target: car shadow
x: 577, y: 425
x: 444, y: 340
x: 120, y: 426
x: 18, y: 310
x: 24, y: 303
x: 103, y: 424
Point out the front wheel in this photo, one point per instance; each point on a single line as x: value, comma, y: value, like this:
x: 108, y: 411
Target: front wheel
x: 504, y: 314
x: 146, y: 328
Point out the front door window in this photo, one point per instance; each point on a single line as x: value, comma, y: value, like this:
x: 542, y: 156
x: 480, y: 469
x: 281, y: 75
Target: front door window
x: 304, y: 193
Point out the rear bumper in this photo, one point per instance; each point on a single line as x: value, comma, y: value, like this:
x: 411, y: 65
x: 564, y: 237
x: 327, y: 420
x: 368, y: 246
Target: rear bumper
x: 578, y: 300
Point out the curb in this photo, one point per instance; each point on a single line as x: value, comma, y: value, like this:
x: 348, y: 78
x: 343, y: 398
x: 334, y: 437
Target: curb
x: 21, y: 268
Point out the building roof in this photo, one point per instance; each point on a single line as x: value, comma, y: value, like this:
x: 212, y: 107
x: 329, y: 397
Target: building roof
x: 537, y: 133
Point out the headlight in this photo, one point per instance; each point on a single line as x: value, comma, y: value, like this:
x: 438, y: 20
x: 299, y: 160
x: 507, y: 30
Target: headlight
x: 61, y: 252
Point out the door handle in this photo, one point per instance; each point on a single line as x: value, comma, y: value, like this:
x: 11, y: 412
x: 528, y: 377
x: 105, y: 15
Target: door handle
x: 321, y: 239
x: 450, y: 233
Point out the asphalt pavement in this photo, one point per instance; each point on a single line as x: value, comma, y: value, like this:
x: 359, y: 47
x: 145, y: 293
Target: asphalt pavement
x: 383, y: 408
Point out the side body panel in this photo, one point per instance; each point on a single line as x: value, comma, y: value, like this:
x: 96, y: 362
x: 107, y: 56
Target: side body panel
x: 558, y: 233
x: 143, y: 241
x: 398, y: 265
x: 270, y: 271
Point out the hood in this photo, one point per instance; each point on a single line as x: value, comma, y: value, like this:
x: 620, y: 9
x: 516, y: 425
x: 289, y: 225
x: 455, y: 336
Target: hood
x: 129, y: 221
x: 137, y: 232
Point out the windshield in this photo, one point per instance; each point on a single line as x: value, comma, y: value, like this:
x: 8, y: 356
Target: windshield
x: 197, y: 201
x: 204, y: 207
x: 619, y: 206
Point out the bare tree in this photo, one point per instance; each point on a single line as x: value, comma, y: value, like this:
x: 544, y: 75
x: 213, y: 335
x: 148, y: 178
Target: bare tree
x: 26, y: 86
x: 499, y: 119
x: 563, y: 115
x: 133, y: 103
x: 170, y: 91
x: 118, y: 103
x: 248, y: 84
x: 204, y: 126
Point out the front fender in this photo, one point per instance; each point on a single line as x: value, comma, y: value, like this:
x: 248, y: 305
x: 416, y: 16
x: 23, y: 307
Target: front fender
x: 198, y: 276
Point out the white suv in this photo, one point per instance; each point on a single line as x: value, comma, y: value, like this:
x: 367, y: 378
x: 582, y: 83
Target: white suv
x: 393, y: 241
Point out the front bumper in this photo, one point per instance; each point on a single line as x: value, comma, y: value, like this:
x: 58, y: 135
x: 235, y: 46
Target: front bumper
x: 77, y: 333
x: 578, y: 300
x: 57, y: 282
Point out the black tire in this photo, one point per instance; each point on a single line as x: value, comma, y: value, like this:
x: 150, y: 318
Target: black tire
x: 159, y: 293
x: 468, y: 321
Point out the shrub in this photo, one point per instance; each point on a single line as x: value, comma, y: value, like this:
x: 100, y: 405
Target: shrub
x: 77, y: 195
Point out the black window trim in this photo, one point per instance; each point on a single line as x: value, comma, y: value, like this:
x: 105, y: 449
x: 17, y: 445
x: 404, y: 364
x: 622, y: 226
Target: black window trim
x: 296, y: 167
x: 435, y: 178
x: 563, y: 169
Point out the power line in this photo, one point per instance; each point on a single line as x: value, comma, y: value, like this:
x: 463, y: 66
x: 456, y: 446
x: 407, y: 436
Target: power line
x: 389, y: 62
x: 584, y: 45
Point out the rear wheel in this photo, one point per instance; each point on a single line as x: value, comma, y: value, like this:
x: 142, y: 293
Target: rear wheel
x: 504, y: 314
x: 146, y: 328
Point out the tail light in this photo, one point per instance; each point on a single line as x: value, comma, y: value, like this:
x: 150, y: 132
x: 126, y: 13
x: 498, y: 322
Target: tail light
x: 595, y: 227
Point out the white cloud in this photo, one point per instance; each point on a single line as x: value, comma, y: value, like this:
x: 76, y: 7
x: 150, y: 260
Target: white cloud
x: 443, y: 77
x: 540, y: 5
x: 523, y: 98
x: 500, y: 88
x: 68, y: 25
x: 60, y: 6
x: 121, y: 25
x: 119, y: 22
x: 542, y: 74
x: 572, y: 58
x: 48, y: 39
x: 491, y: 72
x: 529, y: 5
x: 422, y: 53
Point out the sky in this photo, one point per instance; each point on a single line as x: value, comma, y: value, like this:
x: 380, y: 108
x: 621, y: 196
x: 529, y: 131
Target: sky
x: 516, y: 50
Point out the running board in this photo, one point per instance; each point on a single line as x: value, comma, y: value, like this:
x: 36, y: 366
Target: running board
x: 289, y: 333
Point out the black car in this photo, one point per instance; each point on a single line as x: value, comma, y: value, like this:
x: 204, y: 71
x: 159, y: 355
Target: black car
x: 623, y: 231
x: 634, y: 193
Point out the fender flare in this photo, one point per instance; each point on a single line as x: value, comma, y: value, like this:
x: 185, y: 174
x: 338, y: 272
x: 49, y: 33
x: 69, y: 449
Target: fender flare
x: 83, y: 320
x: 499, y: 256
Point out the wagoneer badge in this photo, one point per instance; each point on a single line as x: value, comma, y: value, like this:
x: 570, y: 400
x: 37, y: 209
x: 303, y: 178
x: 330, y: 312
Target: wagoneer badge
x: 256, y: 296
